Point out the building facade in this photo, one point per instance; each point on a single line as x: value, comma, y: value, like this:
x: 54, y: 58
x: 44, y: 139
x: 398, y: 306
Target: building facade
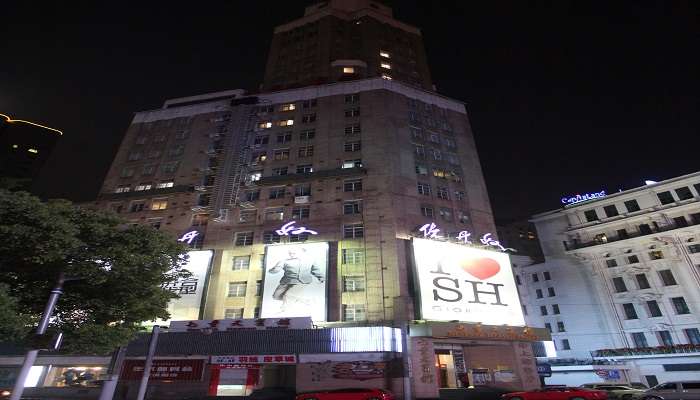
x: 621, y: 283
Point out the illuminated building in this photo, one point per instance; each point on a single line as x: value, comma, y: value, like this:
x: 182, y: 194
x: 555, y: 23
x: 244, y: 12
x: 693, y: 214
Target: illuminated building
x: 24, y: 148
x: 620, y: 287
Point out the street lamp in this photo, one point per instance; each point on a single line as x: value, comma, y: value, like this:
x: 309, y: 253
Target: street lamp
x: 149, y: 362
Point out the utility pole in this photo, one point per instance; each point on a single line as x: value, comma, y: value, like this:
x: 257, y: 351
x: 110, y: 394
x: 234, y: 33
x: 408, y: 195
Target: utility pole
x: 149, y: 363
x: 109, y: 386
x: 30, y: 357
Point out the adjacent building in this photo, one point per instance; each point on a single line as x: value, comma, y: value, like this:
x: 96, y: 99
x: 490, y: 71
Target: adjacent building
x: 620, y: 287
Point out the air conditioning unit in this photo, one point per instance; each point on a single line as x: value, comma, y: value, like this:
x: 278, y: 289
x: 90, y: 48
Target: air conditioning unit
x: 247, y: 204
x: 223, y: 215
x: 200, y: 188
x: 301, y: 199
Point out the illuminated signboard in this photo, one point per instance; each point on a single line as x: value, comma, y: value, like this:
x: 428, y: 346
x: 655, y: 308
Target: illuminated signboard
x: 190, y: 289
x: 289, y: 228
x: 295, y: 281
x: 188, y: 237
x: 460, y: 283
x: 583, y: 197
x: 431, y: 231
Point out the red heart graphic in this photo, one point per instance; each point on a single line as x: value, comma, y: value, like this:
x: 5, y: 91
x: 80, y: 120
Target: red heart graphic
x: 481, y: 268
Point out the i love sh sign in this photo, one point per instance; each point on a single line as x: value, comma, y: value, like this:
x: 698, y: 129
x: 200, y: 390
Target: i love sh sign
x: 466, y: 284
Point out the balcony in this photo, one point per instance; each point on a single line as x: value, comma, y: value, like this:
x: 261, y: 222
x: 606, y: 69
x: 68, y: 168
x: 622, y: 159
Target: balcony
x: 573, y: 245
x: 647, y: 351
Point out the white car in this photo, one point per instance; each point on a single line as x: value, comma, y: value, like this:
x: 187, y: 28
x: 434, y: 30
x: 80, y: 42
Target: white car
x: 683, y: 390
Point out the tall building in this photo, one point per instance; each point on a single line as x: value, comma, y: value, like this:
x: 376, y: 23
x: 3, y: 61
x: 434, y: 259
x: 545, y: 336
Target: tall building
x: 620, y: 287
x: 24, y: 148
x: 341, y: 40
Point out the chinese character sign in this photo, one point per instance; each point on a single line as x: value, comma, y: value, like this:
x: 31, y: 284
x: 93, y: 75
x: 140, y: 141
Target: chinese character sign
x: 190, y: 289
x: 175, y: 370
x: 255, y: 359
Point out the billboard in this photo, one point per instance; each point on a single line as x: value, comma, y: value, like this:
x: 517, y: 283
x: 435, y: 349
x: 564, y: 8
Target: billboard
x: 190, y: 289
x: 295, y: 281
x: 461, y: 283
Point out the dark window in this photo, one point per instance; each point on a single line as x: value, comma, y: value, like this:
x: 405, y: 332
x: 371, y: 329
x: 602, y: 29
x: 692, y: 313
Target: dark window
x: 301, y: 212
x: 524, y: 310
x: 351, y: 231
x: 665, y: 197
x: 543, y: 310
x: 270, y: 237
x: 632, y: 205
x: 693, y: 335
x: 591, y: 215
x: 548, y: 326
x: 665, y: 338
x: 284, y: 138
x: 619, y: 284
x: 610, y: 210
x: 560, y: 327
x: 642, y: 281
x: 667, y: 277
x: 302, y: 190
x: 244, y: 238
x: 684, y: 193
x: 680, y: 221
x: 622, y: 234
x: 630, y: 312
x: 547, y: 276
x: 535, y: 278
x: 277, y: 192
x: 565, y: 344
x: 550, y: 292
x: 654, y: 309
x: 555, y: 308
x: 632, y: 259
x: 611, y: 262
x: 645, y: 229
x: 352, y: 207
x: 695, y: 218
x: 353, y: 146
x: 517, y: 280
x: 680, y: 305
x: 538, y: 293
x: 305, y: 169
x: 639, y: 340
x: 354, y: 185
x: 694, y: 248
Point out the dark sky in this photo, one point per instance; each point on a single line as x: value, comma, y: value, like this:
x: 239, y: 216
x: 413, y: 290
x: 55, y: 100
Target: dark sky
x: 564, y: 97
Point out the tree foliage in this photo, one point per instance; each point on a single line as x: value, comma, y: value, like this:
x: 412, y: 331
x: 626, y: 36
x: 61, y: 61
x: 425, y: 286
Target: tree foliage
x: 115, y: 272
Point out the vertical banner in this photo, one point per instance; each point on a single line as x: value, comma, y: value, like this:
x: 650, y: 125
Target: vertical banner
x: 190, y: 289
x: 295, y: 281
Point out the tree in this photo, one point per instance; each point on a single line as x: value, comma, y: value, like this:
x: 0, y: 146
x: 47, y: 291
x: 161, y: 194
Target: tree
x: 115, y: 272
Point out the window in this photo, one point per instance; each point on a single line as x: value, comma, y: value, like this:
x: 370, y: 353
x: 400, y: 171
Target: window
x: 137, y: 205
x: 611, y: 210
x: 155, y: 222
x: 463, y: 217
x: 261, y: 140
x: 353, y: 129
x: 550, y: 292
x: 270, y: 237
x: 680, y: 222
x: 555, y: 308
x: 452, y: 158
x: 449, y: 142
x: 237, y: 289
x: 170, y: 167
x: 281, y: 154
x: 386, y: 76
x: 274, y: 214
x: 244, y: 238
x: 352, y: 98
x: 560, y: 326
x: 622, y: 234
x: 265, y: 125
x: 680, y: 305
x: 601, y: 238
x: 256, y: 312
x: 459, y: 195
x: 656, y: 255
x: 127, y: 172
x: 642, y: 282
x: 305, y: 169
x: 665, y: 197
x: 667, y: 277
x: 419, y: 150
x: 416, y: 133
x: 203, y: 200
x: 535, y: 278
x: 280, y: 171
x: 352, y: 207
x: 288, y: 107
x: 154, y: 154
x: 352, y: 112
x: 421, y: 169
x: 543, y: 310
x: 632, y: 259
x: 200, y: 219
x: 306, y: 151
x: 446, y: 214
x: 538, y: 293
x: 619, y: 284
x: 684, y: 193
x: 277, y: 192
x: 233, y: 313
x: 639, y: 340
x: 258, y: 288
x: 353, y: 256
x: 348, y: 70
x: 547, y: 276
x: 630, y: 312
x: 424, y: 189
x: 353, y: 283
x: 352, y: 231
x: 524, y: 309
x: 308, y: 118
x: 284, y: 137
x: 384, y: 54
x: 159, y: 138
x: 352, y: 185
x: 385, y: 65
x: 427, y: 211
x: 353, y: 146
x: 240, y: 263
x: 247, y: 216
x: 176, y: 151
x: 665, y: 338
x: 354, y: 312
x: 611, y: 262
x: 309, y: 103
x: 632, y: 205
x: 134, y: 155
x: 307, y: 135
x: 548, y: 326
x: 694, y: 248
x: 122, y: 189
x: 352, y: 164
x: 436, y: 154
x: 653, y: 309
x: 695, y: 218
x: 254, y: 176
x: 443, y: 193
x: 285, y: 122
x: 565, y: 344
x: 251, y: 195
x: 165, y: 184
x: 142, y: 186
x: 301, y: 212
x: 159, y: 204
x: 693, y: 335
x: 433, y: 137
x: 591, y: 215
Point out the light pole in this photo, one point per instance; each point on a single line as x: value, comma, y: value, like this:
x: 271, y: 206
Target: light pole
x: 30, y: 357
x: 149, y: 363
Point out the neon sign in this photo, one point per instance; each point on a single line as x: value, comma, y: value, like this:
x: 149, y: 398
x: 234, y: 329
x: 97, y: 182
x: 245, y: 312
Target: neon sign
x: 431, y: 231
x: 289, y: 228
x: 585, y: 197
x: 188, y: 237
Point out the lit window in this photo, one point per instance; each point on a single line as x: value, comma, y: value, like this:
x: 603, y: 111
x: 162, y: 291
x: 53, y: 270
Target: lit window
x: 122, y: 189
x: 237, y: 289
x: 274, y: 214
x: 143, y: 186
x: 384, y: 54
x: 288, y: 107
x: 352, y: 163
x: 166, y: 184
x: 159, y: 204
x: 265, y: 125
x: 254, y: 176
x: 348, y: 70
x: 354, y: 312
x: 286, y: 122
x: 33, y: 151
x: 387, y: 77
x: 386, y: 65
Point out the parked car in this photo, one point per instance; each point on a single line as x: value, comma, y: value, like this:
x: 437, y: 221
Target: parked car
x: 474, y: 393
x: 684, y: 390
x: 273, y: 393
x: 620, y: 392
x: 558, y: 393
x: 347, y: 394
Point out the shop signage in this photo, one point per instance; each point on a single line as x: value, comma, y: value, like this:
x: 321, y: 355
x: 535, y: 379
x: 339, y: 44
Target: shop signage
x: 544, y: 369
x: 189, y: 289
x: 359, y: 370
x: 478, y: 331
x: 584, y: 197
x: 608, y: 374
x: 289, y: 228
x: 465, y: 284
x: 255, y: 359
x: 235, y: 324
x: 431, y: 231
x: 172, y: 370
x: 188, y: 237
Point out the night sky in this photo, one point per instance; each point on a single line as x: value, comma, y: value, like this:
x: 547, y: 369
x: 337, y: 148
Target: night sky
x: 564, y: 97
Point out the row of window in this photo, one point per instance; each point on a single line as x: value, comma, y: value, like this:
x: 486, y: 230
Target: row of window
x: 347, y: 257
x: 141, y: 205
x: 441, y: 192
x: 150, y: 169
x: 351, y: 312
x: 664, y: 337
x: 287, y: 106
x: 665, y: 275
x: 350, y: 207
x: 646, y: 229
x: 654, y: 310
x: 446, y: 214
x: 349, y: 231
x: 560, y: 326
x: 136, y: 155
x: 420, y: 152
x: 144, y: 186
x: 634, y: 259
x: 161, y: 138
x: 543, y: 310
x: 419, y: 134
x: 350, y: 112
x: 354, y: 283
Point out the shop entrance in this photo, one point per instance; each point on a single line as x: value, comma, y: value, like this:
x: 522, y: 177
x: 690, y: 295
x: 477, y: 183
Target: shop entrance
x: 449, y: 363
x: 242, y: 379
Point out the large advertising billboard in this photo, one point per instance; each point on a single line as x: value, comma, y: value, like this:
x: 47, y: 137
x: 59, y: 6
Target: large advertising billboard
x: 190, y: 289
x: 295, y: 281
x: 461, y: 283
